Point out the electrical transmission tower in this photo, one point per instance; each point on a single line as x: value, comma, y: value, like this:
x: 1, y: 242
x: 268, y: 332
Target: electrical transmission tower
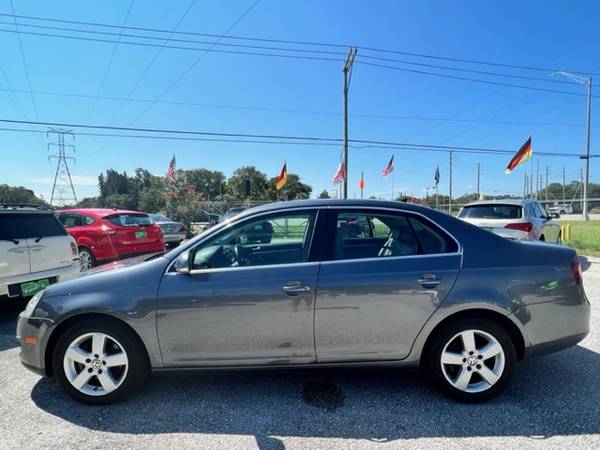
x: 63, y: 192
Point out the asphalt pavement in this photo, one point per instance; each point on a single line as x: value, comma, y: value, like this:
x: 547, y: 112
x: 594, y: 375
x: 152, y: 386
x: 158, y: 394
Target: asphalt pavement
x: 553, y: 402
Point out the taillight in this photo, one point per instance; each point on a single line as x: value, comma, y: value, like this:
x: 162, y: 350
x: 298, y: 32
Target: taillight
x: 576, y: 271
x: 521, y: 226
x: 74, y: 251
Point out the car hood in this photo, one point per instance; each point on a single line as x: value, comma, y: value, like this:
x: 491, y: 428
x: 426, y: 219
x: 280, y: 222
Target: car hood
x: 121, y: 263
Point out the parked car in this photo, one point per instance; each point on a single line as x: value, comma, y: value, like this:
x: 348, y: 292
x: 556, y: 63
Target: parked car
x: 414, y: 288
x: 104, y: 235
x: 513, y: 219
x: 173, y: 232
x: 562, y: 208
x: 35, y: 250
x: 230, y: 213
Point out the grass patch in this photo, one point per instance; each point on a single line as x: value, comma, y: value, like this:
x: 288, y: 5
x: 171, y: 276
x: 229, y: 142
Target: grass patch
x: 585, y: 237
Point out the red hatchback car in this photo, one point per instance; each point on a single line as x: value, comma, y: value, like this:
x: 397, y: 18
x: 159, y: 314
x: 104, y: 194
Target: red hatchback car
x: 104, y: 235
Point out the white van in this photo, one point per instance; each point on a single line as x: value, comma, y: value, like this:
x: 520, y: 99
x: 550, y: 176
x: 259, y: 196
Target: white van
x: 35, y: 250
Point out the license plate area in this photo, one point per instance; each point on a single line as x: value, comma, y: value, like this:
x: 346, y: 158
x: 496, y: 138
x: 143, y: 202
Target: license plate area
x: 29, y: 288
x: 141, y: 234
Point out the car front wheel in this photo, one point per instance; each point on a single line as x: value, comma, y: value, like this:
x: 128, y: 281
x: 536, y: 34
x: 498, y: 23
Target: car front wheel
x: 99, y: 362
x: 471, y: 360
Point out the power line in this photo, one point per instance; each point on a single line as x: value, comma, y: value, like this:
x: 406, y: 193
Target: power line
x: 298, y: 111
x: 110, y: 61
x: 476, y: 80
x: 12, y: 6
x: 299, y: 57
x: 199, y: 49
x: 196, y: 61
x: 302, y: 42
x: 149, y: 66
x: 358, y: 143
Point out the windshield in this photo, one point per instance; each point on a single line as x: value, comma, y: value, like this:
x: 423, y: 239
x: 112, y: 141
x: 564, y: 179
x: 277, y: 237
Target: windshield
x: 491, y: 212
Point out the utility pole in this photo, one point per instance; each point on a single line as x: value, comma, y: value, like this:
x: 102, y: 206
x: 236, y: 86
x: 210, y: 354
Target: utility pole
x: 537, y: 180
x: 563, y: 179
x: 546, y: 190
x: 450, y: 184
x: 63, y: 192
x: 586, y: 81
x: 478, y: 178
x: 347, y: 76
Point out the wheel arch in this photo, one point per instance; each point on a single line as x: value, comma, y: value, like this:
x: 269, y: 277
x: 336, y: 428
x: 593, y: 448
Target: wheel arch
x: 77, y: 318
x: 502, y: 320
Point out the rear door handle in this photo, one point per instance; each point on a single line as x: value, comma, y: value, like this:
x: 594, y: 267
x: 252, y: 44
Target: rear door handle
x: 295, y: 288
x: 429, y: 280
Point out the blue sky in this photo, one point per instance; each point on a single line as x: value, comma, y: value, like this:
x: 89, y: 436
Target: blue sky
x: 237, y: 93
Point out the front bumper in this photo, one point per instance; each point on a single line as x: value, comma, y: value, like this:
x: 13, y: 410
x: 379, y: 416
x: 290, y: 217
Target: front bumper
x: 33, y: 355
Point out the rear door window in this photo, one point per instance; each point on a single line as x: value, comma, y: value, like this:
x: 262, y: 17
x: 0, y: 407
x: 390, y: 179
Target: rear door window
x: 129, y: 220
x: 29, y: 225
x: 491, y: 212
x: 432, y: 240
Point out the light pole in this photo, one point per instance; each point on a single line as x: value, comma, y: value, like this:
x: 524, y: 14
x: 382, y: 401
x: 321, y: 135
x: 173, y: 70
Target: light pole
x: 586, y: 81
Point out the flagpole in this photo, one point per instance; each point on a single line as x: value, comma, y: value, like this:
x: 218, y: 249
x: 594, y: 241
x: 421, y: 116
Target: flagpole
x: 392, y: 184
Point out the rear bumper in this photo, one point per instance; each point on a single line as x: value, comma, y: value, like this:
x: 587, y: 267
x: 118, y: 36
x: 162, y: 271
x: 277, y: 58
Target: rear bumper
x: 171, y: 238
x: 62, y: 274
x: 32, y: 355
x: 555, y: 326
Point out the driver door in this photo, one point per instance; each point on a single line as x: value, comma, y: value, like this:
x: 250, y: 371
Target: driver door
x: 248, y: 298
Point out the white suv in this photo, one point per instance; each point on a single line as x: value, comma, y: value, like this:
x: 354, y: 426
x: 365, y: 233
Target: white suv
x: 513, y: 219
x: 35, y: 250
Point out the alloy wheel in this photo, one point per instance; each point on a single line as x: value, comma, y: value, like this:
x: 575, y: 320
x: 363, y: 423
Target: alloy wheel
x: 85, y: 260
x: 472, y: 361
x: 95, y: 364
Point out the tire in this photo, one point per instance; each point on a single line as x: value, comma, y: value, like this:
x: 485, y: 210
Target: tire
x: 86, y: 259
x: 463, y: 367
x: 101, y: 375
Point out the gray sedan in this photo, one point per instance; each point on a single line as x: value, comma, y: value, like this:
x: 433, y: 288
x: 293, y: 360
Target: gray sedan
x: 314, y: 283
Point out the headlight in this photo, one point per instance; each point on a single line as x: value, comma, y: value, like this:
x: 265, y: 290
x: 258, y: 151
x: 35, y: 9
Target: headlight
x: 28, y: 312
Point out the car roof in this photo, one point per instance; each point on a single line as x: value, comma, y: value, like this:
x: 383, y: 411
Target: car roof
x: 100, y: 212
x: 332, y: 203
x: 507, y: 201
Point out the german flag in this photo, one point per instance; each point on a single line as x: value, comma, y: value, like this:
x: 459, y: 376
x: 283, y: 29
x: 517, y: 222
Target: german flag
x: 523, y: 155
x: 282, y: 178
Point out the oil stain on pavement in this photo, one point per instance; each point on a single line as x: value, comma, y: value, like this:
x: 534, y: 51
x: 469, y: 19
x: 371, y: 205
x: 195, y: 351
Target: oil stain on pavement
x: 323, y: 395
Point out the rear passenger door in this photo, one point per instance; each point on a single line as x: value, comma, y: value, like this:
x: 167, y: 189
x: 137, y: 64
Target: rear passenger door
x: 376, y: 291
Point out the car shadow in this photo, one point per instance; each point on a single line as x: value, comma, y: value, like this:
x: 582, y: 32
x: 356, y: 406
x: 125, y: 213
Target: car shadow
x: 9, y: 311
x: 554, y: 395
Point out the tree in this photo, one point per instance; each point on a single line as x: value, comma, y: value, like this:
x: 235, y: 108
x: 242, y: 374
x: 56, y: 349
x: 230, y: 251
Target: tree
x: 18, y: 194
x: 324, y: 194
x: 259, y: 186
x: 209, y: 183
x: 294, y: 189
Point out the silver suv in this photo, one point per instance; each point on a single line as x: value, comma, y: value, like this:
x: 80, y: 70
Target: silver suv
x: 513, y: 219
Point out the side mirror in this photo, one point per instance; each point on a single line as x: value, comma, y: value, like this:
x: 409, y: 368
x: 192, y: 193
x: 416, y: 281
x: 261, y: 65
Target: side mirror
x: 182, y: 263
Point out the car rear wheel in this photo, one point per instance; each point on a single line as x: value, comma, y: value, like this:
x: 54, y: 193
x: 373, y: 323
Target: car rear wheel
x: 99, y: 362
x: 86, y: 259
x: 471, y: 360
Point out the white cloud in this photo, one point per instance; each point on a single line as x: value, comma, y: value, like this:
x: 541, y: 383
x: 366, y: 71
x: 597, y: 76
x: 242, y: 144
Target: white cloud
x: 78, y: 180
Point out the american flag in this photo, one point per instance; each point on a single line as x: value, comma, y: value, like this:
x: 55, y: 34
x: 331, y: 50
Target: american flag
x: 389, y: 168
x: 340, y: 174
x: 171, y: 169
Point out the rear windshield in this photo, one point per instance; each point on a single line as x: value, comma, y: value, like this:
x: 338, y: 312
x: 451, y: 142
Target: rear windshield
x: 29, y: 225
x: 491, y: 212
x: 129, y: 220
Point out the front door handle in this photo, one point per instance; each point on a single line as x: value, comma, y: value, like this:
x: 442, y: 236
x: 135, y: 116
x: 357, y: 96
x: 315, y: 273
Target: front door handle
x: 295, y: 288
x: 429, y: 280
